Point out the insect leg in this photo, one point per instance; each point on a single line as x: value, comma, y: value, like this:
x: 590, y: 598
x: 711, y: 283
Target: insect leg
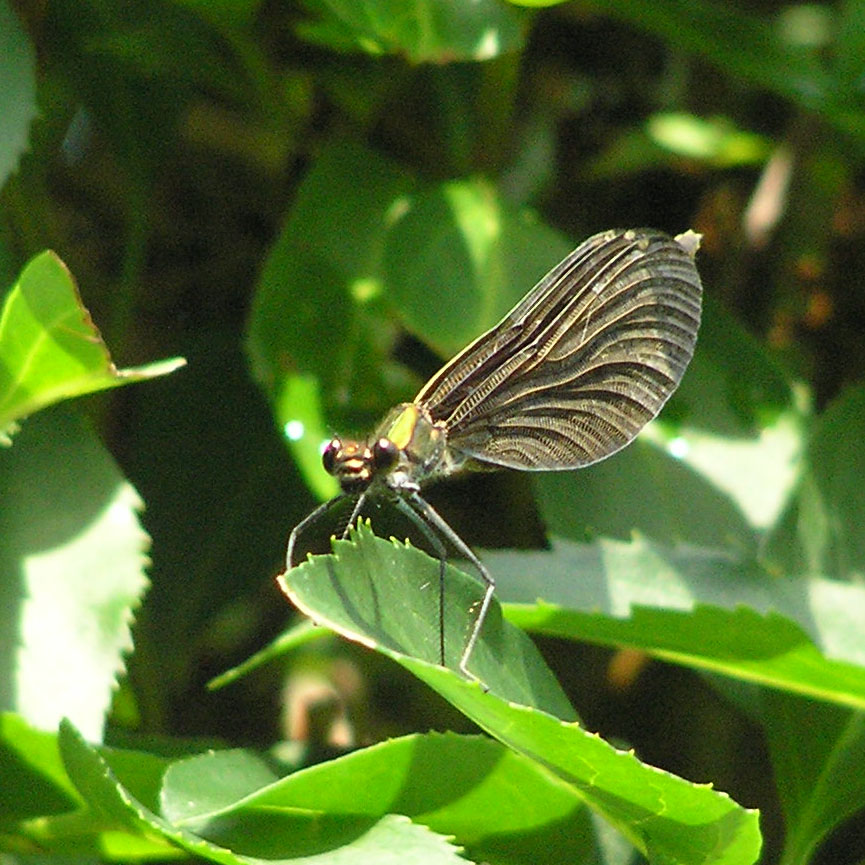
x: 427, y: 512
x: 307, y: 521
x: 354, y: 513
x: 422, y: 522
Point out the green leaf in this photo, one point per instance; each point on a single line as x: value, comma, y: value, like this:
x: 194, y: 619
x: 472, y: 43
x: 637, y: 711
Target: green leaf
x: 495, y: 802
x: 665, y: 817
x: 299, y: 403
x: 326, y: 255
x: 18, y: 90
x: 821, y: 529
x: 204, y: 784
x: 71, y: 573
x: 35, y: 783
x: 447, y: 31
x: 739, y: 42
x: 49, y: 347
x: 316, y: 332
x: 108, y: 797
x: 41, y: 808
x: 357, y: 592
x: 304, y: 632
x: 297, y: 837
x: 849, y: 47
x: 817, y: 753
x: 458, y: 258
x: 714, y: 140
x: 757, y: 473
x: 666, y: 138
x: 643, y: 489
x: 733, y: 386
x: 385, y: 594
x: 699, y: 608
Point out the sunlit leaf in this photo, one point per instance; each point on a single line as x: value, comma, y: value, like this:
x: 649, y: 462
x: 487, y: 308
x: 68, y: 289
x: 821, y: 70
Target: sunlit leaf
x: 459, y: 257
x: 49, y: 347
x: 713, y: 140
x: 356, y: 591
x: 309, y: 838
x: 491, y: 800
x: 72, y: 558
x: 389, y: 593
x: 700, y: 608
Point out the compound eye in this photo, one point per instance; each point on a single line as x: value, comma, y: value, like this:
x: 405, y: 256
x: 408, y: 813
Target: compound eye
x: 328, y: 455
x: 385, y: 454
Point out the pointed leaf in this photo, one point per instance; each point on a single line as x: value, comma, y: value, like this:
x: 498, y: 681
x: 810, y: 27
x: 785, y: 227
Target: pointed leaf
x: 49, y: 347
x: 298, y: 837
x: 384, y: 594
x: 358, y: 594
x: 492, y: 800
x: 301, y: 633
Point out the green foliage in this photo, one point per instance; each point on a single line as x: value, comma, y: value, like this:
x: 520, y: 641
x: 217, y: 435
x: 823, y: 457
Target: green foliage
x: 713, y: 611
x: 421, y: 31
x: 17, y: 95
x: 384, y: 580
x: 815, y: 749
x: 821, y: 531
x: 317, y: 204
x: 522, y: 707
x: 50, y: 349
x: 73, y: 553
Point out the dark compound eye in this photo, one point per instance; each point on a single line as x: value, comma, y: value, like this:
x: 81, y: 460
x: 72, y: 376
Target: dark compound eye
x: 385, y: 454
x: 328, y: 455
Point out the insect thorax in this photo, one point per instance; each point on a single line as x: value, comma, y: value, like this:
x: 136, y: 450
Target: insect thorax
x: 420, y: 441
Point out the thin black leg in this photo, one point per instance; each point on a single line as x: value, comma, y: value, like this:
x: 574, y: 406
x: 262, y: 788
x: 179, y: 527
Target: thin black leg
x: 441, y: 551
x: 354, y: 513
x: 308, y: 520
x: 430, y: 517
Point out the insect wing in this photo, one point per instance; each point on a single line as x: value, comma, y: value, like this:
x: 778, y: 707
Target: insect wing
x: 582, y: 363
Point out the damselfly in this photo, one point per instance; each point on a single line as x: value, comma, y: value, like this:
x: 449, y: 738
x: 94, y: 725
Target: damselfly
x: 567, y: 378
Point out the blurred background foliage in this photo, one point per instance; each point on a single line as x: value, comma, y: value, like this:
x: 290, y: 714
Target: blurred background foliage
x: 316, y: 203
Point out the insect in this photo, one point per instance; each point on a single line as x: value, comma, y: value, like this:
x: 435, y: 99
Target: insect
x: 568, y: 377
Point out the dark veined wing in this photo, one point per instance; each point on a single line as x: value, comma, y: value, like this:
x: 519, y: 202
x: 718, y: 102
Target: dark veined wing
x: 582, y: 363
